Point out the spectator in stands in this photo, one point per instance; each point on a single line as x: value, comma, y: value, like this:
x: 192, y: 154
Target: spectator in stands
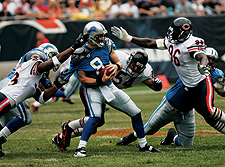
x: 129, y: 9
x: 106, y: 5
x: 72, y: 9
x: 156, y: 8
x: 32, y: 11
x: 84, y: 8
x: 97, y: 12
x: 170, y: 6
x: 63, y: 6
x: 4, y: 13
x: 198, y: 8
x: 21, y: 7
x: 41, y: 39
x: 184, y: 8
x: 43, y: 9
x: 55, y: 12
x: 11, y: 7
x: 144, y: 9
x: 114, y: 11
x: 220, y: 7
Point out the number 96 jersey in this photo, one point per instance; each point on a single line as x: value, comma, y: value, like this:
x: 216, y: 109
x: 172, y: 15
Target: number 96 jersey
x: 182, y: 57
x: 122, y: 80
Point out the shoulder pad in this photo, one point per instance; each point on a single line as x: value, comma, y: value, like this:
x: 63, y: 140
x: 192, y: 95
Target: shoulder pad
x: 79, y: 53
x: 110, y: 44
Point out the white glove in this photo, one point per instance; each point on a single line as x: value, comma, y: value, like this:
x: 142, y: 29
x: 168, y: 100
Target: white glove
x: 121, y: 33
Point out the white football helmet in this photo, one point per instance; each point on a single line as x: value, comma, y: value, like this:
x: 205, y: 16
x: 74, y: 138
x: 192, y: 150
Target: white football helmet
x: 95, y: 29
x: 49, y: 49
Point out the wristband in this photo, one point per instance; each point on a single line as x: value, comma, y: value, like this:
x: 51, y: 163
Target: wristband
x: 99, y: 81
x: 41, y: 98
x: 160, y: 44
x: 56, y: 62
x: 118, y: 66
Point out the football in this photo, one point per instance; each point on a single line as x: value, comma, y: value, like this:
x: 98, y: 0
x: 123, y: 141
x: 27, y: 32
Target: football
x: 108, y: 71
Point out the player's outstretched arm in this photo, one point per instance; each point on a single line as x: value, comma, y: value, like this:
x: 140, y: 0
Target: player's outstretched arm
x: 154, y: 83
x: 143, y: 42
x: 63, y: 56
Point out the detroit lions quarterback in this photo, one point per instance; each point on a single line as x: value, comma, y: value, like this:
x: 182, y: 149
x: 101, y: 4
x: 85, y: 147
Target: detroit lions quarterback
x: 135, y: 68
x: 184, y: 122
x: 23, y: 82
x: 187, y: 55
x: 88, y: 60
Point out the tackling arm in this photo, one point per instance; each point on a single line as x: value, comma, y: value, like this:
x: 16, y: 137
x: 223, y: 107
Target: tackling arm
x: 143, y: 42
x: 154, y: 83
x: 45, y: 95
x: 63, y: 56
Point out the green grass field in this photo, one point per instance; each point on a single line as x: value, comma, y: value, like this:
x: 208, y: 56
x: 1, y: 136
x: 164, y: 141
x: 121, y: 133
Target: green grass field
x: 32, y: 145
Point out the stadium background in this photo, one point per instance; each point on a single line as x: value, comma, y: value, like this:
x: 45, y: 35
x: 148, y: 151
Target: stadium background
x: 19, y: 36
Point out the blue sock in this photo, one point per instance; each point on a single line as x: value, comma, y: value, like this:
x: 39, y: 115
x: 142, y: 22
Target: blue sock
x: 15, y: 124
x: 59, y: 93
x: 138, y: 125
x: 88, y: 128
x: 176, y: 141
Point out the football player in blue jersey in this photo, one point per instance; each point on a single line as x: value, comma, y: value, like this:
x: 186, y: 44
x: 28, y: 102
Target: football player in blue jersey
x: 88, y: 60
x: 184, y: 122
x: 22, y: 83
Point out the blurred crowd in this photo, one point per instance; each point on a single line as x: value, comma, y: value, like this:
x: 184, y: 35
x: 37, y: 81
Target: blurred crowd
x: 106, y: 9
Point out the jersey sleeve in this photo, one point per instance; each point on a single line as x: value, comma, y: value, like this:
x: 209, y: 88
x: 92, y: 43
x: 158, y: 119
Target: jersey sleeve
x: 34, y: 70
x: 148, y: 73
x: 195, y: 46
x: 110, y: 44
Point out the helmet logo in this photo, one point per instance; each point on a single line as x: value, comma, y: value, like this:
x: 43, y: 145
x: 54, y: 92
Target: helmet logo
x: 186, y: 27
x: 92, y: 29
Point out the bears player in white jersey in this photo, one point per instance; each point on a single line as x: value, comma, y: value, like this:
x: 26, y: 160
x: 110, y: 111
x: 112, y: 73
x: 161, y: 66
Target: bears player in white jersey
x: 184, y: 122
x: 187, y: 55
x: 88, y: 61
x: 23, y: 83
x: 135, y: 68
x: 65, y: 92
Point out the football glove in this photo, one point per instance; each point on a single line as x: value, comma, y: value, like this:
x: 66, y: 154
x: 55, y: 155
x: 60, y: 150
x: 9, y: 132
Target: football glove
x: 121, y: 33
x: 80, y: 41
x: 157, y: 84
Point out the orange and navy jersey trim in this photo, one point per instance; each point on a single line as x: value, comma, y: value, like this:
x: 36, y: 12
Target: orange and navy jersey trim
x: 196, y: 48
x: 210, y: 94
x: 34, y: 68
x: 4, y: 103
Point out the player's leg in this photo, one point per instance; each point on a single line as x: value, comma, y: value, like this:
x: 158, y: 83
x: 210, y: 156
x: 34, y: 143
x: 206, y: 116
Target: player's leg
x: 15, y: 119
x: 185, y: 126
x: 122, y: 102
x: 95, y: 100
x: 204, y: 101
x: 163, y: 114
